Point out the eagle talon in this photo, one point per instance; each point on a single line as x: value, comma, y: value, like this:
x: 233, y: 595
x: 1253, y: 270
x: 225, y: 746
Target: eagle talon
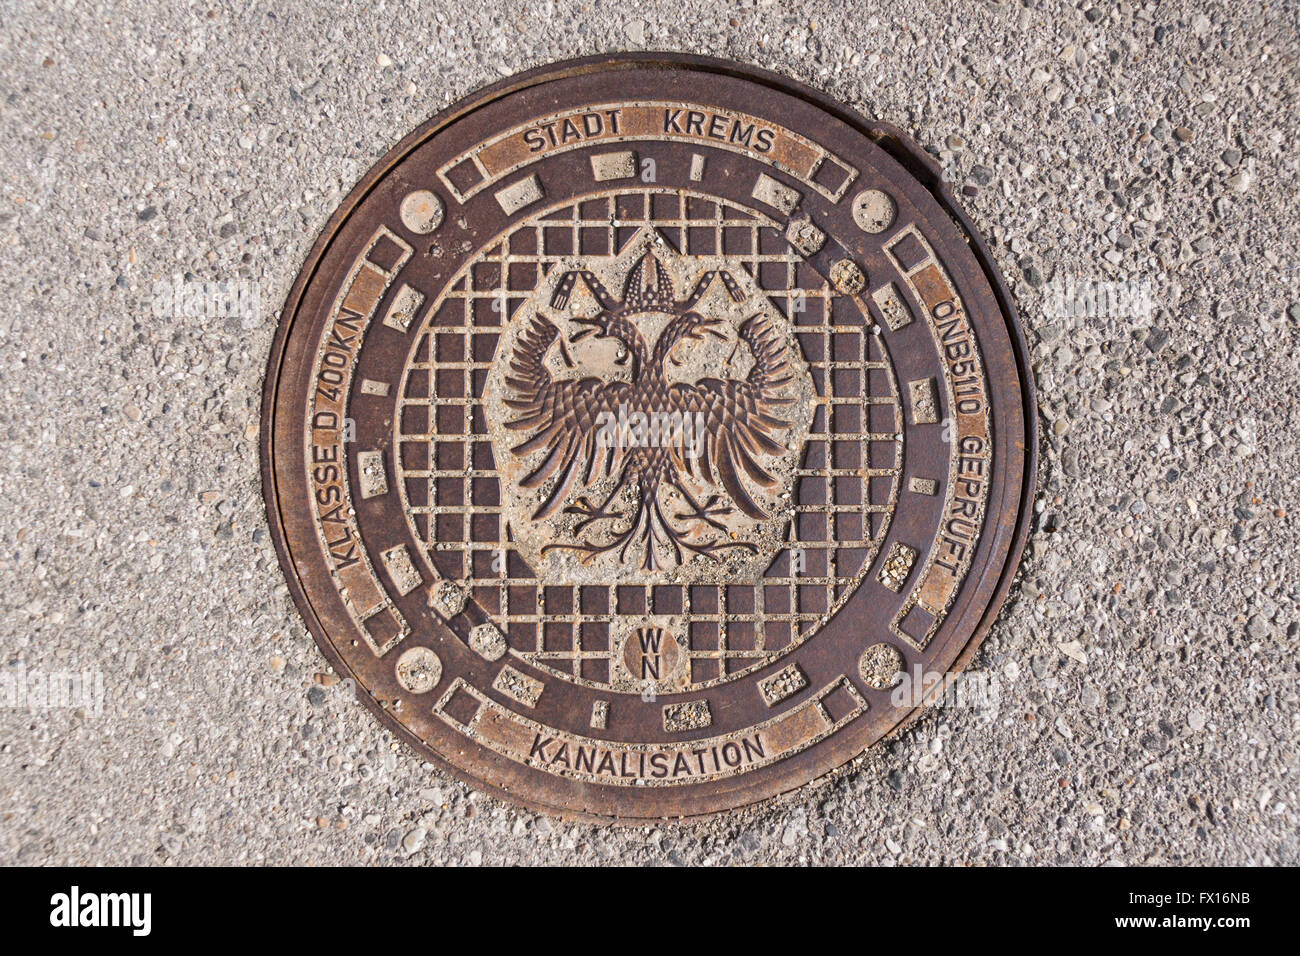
x: 591, y: 513
x: 706, y: 513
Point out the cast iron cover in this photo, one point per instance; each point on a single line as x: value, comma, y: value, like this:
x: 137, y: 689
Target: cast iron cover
x: 632, y: 426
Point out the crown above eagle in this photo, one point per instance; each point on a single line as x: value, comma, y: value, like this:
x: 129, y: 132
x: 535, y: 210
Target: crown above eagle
x: 648, y: 287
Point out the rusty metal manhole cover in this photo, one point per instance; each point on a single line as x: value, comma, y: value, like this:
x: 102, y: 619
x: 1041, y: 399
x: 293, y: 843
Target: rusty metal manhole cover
x: 633, y: 423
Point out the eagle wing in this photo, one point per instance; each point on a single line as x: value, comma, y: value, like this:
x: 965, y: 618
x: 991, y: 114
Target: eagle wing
x: 738, y: 418
x: 565, y: 417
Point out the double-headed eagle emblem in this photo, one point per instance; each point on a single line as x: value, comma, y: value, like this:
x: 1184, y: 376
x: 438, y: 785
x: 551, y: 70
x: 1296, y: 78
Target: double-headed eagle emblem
x: 737, y: 421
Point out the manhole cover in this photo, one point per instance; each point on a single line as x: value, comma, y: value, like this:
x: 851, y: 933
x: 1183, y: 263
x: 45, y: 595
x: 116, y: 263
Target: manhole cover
x: 634, y: 423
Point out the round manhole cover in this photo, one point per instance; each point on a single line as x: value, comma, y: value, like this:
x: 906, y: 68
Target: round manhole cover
x: 636, y: 425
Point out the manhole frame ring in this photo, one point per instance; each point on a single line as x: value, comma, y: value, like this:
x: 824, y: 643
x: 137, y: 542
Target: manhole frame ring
x: 920, y: 165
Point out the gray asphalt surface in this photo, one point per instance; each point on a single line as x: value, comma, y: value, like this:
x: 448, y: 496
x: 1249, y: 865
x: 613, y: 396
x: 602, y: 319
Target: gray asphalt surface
x: 1147, y: 659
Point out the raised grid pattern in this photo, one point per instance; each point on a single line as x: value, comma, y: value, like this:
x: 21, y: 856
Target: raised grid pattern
x: 845, y: 488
